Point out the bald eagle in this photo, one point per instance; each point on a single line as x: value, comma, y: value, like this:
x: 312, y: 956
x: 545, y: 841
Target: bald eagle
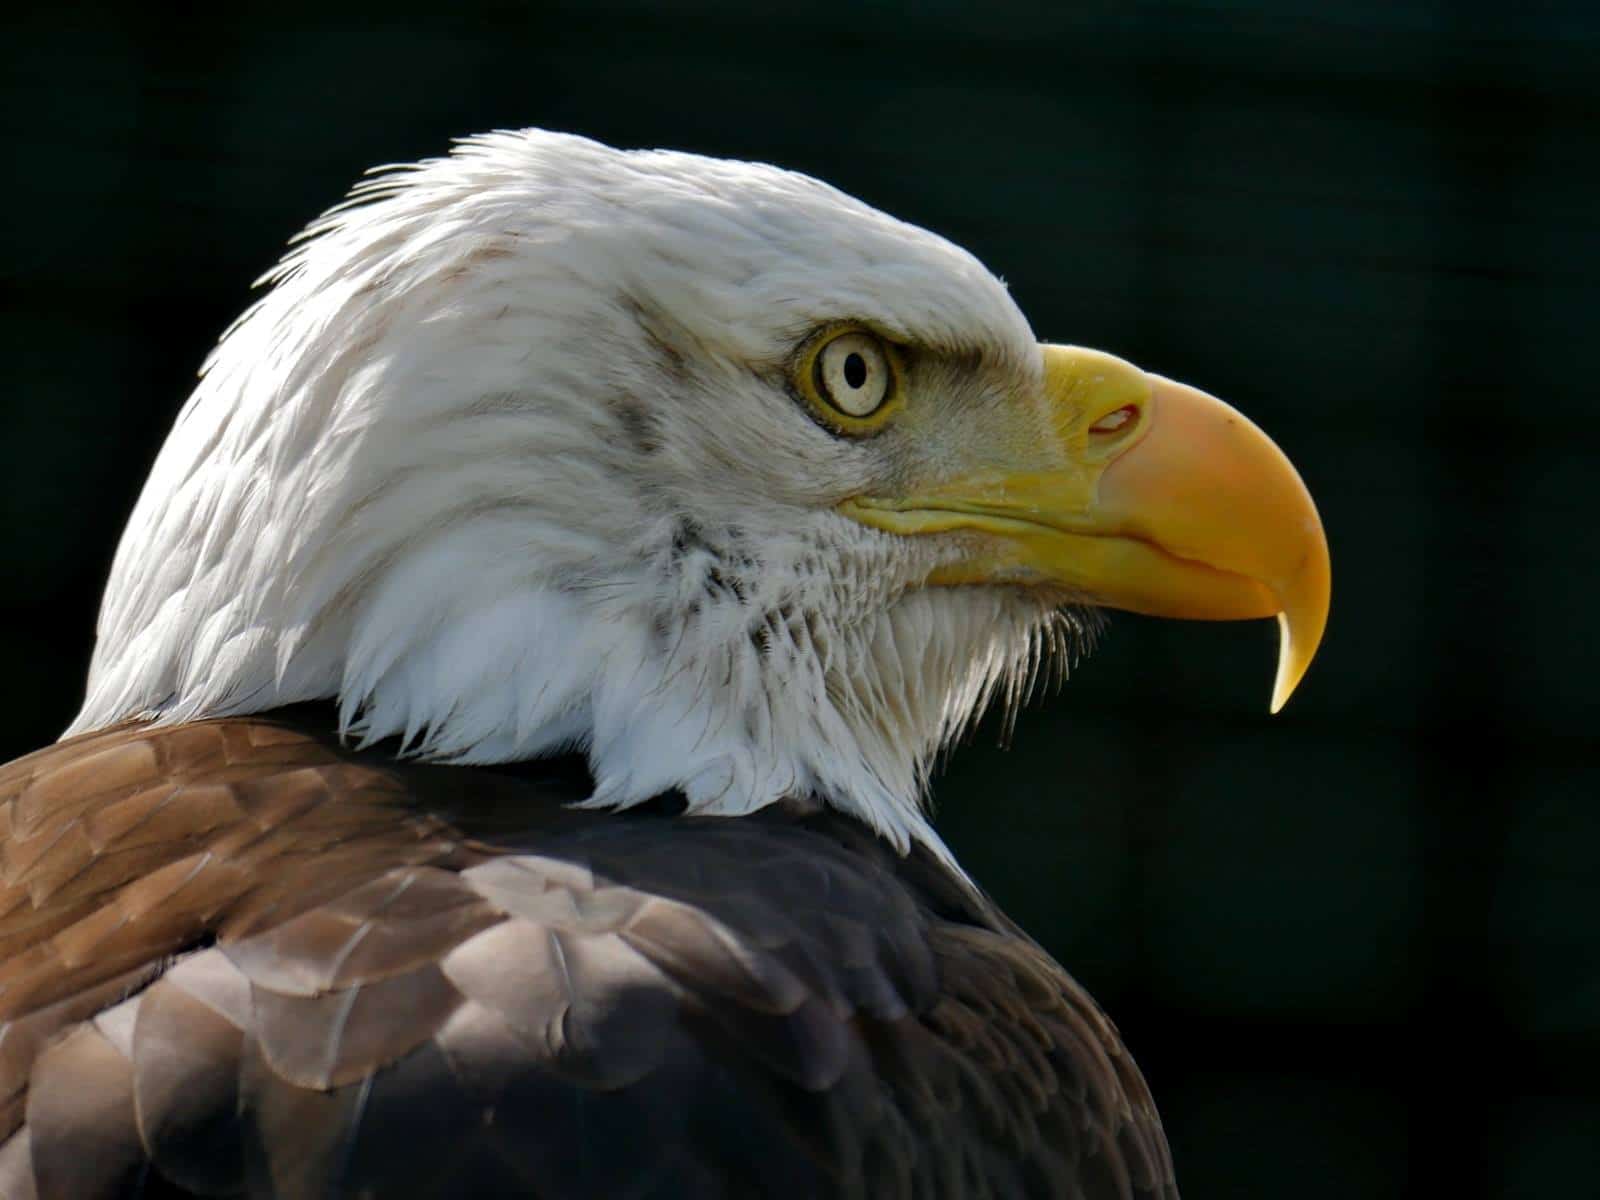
x: 503, y: 758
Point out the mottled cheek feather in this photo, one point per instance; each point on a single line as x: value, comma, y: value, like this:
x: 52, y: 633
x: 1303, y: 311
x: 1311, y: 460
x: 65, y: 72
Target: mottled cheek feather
x: 506, y: 462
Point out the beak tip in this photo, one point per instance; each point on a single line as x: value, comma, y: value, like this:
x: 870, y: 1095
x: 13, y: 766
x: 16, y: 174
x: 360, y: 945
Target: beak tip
x: 1294, y: 659
x: 1280, y: 697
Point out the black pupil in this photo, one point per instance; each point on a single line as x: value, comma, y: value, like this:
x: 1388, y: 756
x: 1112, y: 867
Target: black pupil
x: 855, y: 370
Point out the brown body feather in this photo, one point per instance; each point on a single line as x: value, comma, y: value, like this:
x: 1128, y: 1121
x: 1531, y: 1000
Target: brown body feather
x: 238, y: 959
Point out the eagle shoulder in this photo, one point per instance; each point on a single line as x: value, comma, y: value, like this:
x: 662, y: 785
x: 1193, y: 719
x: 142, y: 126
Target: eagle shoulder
x: 237, y: 958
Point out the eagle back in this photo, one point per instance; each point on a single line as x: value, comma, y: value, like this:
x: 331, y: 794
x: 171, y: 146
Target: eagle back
x: 240, y: 959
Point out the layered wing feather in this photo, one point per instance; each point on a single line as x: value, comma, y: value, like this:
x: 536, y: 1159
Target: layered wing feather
x: 237, y: 959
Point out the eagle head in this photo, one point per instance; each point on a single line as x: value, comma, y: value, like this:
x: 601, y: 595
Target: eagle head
x: 704, y: 468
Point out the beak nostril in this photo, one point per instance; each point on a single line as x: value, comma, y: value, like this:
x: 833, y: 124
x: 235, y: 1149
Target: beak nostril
x: 1116, y: 420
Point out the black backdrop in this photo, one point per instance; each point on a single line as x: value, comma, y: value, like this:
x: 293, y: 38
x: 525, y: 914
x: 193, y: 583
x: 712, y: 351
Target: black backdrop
x: 1353, y: 946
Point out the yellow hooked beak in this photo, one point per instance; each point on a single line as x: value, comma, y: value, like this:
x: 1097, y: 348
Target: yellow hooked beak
x: 1159, y: 499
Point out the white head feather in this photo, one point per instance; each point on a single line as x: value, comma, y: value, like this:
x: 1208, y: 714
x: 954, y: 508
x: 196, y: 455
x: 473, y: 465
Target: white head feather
x: 505, y: 463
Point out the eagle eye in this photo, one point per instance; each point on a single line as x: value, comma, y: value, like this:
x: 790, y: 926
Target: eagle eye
x: 851, y: 378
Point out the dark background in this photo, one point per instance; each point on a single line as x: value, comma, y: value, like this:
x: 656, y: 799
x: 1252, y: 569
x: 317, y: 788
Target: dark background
x: 1354, y: 947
